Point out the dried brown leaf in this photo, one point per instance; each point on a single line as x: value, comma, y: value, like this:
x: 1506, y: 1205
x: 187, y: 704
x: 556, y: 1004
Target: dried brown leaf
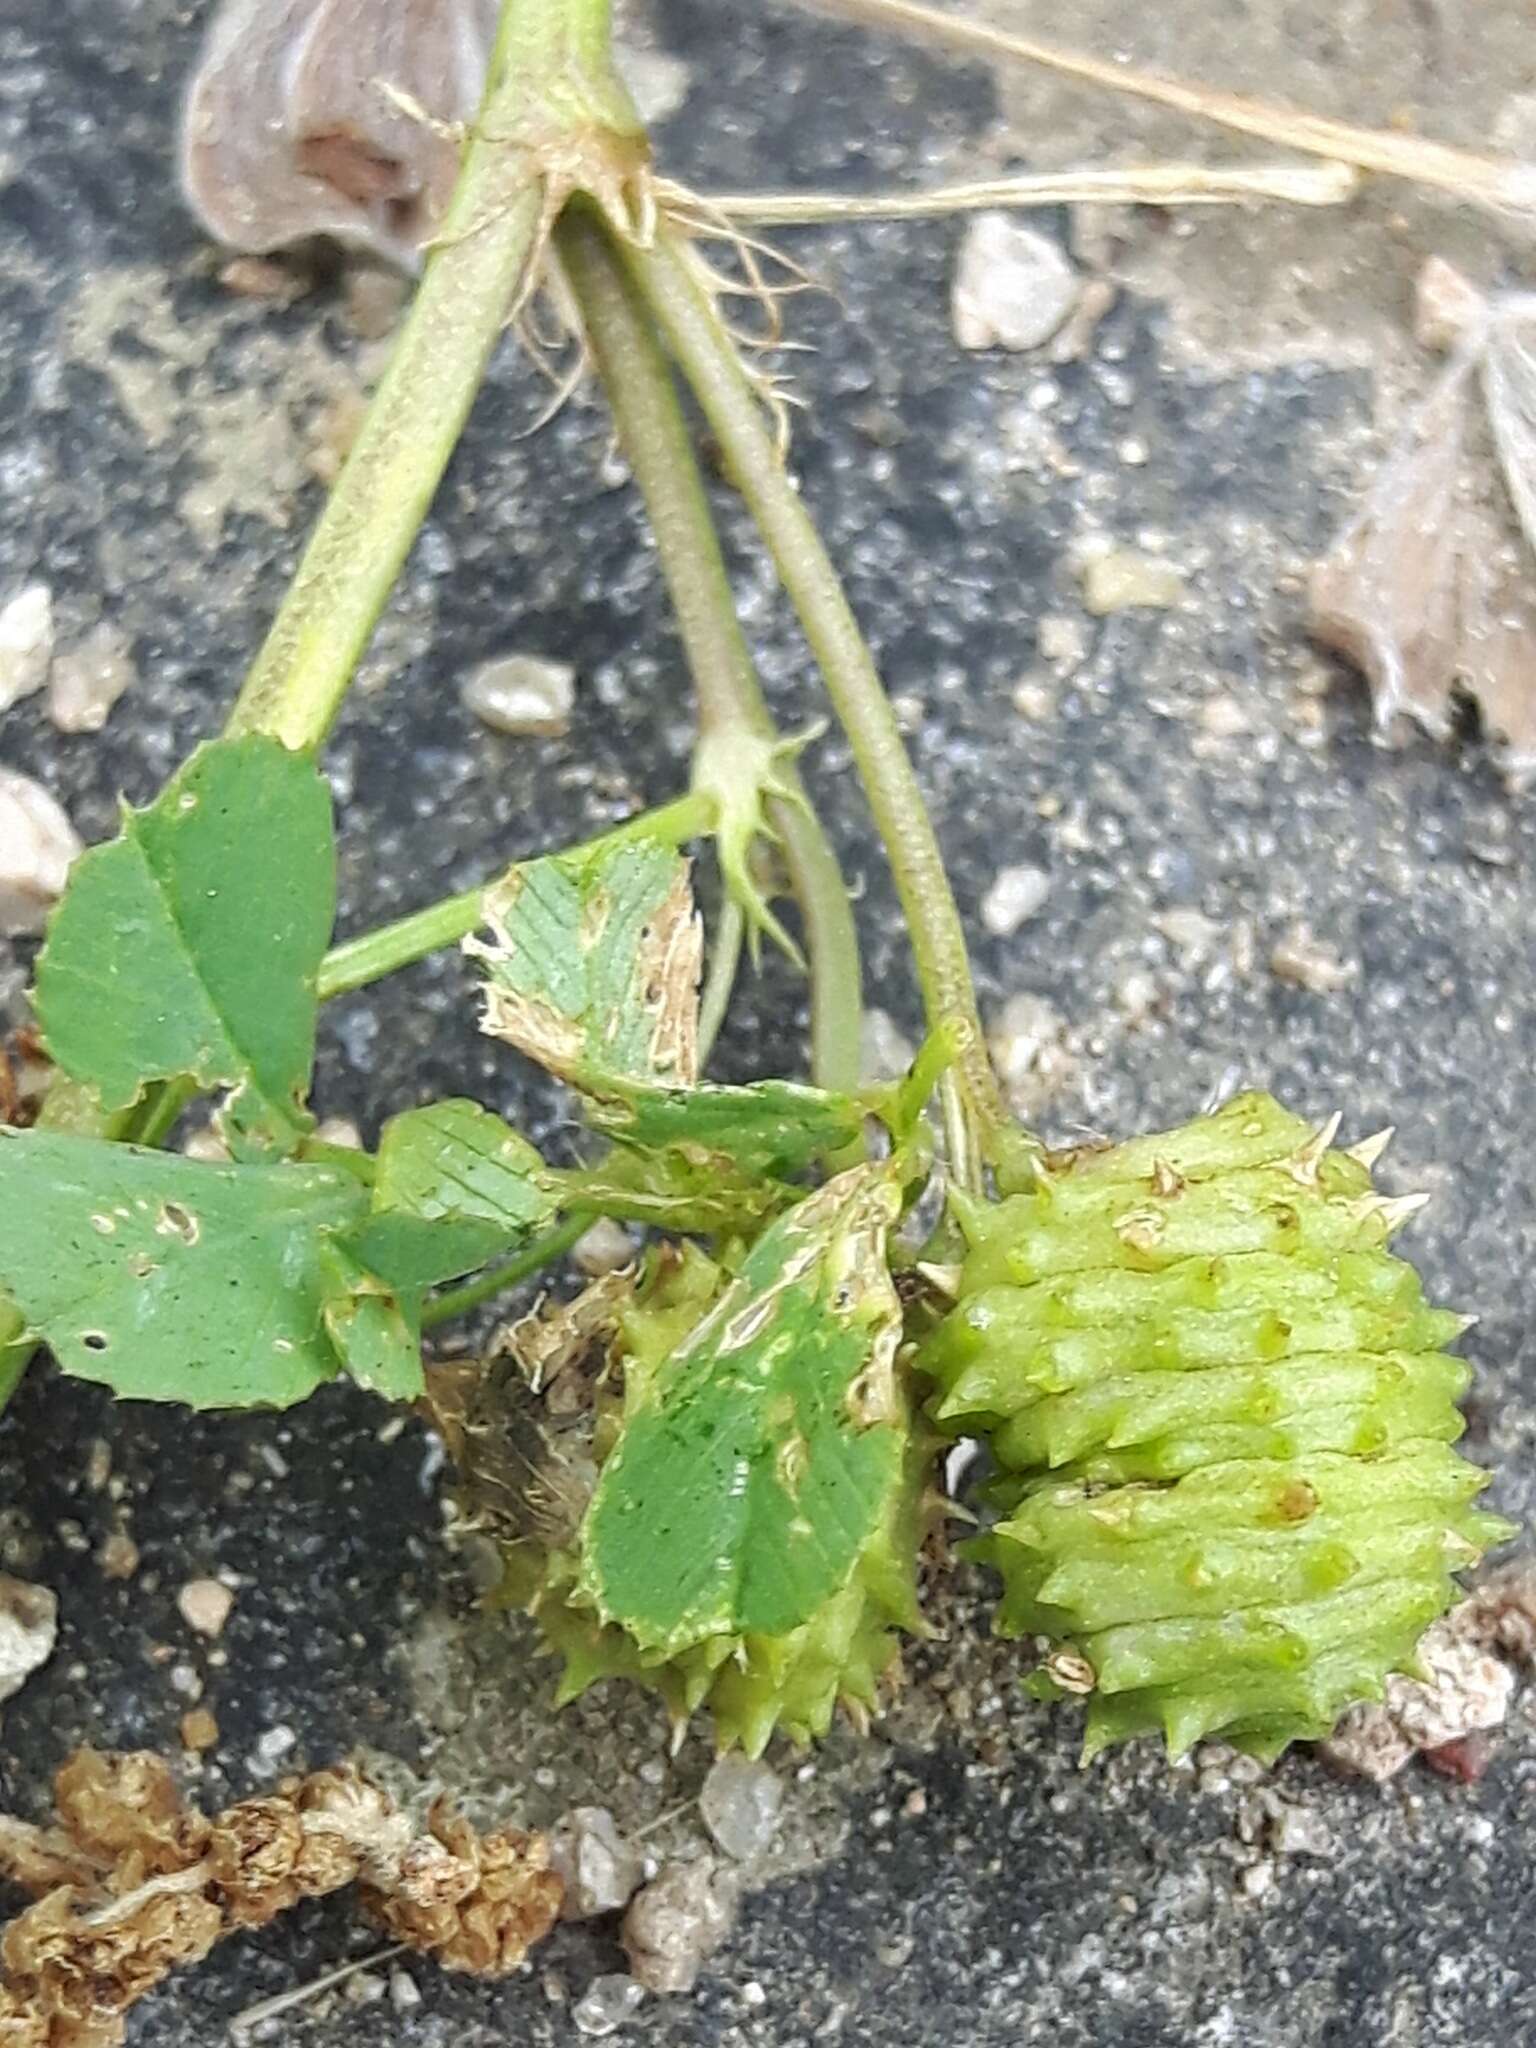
x: 86, y: 1950
x: 479, y: 1903
x: 84, y: 1968
x: 40, y: 1859
x: 22, y: 2026
x: 264, y: 1860
x: 126, y: 1810
x: 1497, y: 654
x: 1385, y: 595
x: 1509, y: 387
x: 289, y: 130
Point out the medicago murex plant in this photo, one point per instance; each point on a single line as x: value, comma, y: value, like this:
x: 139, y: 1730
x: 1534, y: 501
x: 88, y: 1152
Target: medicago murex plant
x: 1220, y: 1411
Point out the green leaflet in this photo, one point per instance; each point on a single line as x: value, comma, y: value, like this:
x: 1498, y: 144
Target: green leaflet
x: 758, y: 1459
x: 768, y: 1128
x: 455, y: 1188
x: 592, y: 965
x: 188, y: 946
x: 376, y: 1333
x: 171, y: 1280
x: 592, y: 969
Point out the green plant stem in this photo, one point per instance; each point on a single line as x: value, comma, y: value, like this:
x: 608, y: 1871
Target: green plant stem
x: 710, y: 364
x: 469, y: 1294
x: 368, y: 958
x: 474, y: 273
x: 643, y: 396
x: 720, y: 978
x: 560, y: 39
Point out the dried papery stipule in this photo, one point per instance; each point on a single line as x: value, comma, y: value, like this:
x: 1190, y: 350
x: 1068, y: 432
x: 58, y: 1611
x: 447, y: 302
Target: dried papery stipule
x: 332, y: 117
x: 1497, y: 649
x: 1385, y: 594
x: 1425, y: 589
x: 1509, y: 390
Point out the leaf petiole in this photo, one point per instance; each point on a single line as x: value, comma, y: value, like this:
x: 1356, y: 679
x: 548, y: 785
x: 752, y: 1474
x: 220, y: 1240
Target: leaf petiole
x: 470, y: 1294
x: 357, y: 962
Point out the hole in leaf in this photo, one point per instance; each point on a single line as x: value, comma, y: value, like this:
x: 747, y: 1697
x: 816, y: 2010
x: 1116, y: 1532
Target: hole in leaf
x: 175, y: 1221
x: 95, y: 1340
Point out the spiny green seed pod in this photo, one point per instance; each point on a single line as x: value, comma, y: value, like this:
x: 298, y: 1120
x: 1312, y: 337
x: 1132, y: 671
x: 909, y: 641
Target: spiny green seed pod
x: 1235, y: 1508
x: 756, y: 1505
x: 752, y: 1685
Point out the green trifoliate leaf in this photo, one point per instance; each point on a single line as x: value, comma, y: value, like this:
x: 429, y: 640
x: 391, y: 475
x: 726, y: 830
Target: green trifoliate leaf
x: 759, y: 1458
x: 168, y: 1279
x: 592, y: 965
x: 187, y: 947
x: 455, y: 1187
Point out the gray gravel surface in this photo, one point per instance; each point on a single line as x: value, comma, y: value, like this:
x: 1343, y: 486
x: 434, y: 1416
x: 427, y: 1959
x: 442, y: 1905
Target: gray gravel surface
x: 958, y: 1879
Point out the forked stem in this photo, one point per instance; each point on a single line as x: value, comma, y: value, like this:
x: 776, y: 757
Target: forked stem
x: 654, y: 434
x: 709, y: 362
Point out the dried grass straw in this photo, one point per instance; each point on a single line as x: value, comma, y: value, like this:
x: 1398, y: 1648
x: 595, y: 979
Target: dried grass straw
x: 1502, y: 183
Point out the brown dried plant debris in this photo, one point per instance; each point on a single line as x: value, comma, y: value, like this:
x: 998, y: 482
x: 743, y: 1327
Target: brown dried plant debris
x: 332, y: 117
x: 1426, y: 590
x: 519, y: 1426
x: 132, y: 1883
x: 24, y: 1074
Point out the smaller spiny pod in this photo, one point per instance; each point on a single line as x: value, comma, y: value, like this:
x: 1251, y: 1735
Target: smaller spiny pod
x: 755, y: 1484
x: 1224, y: 1416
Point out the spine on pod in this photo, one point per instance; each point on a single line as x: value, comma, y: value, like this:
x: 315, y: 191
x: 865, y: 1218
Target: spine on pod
x: 751, y: 1681
x: 1223, y: 1414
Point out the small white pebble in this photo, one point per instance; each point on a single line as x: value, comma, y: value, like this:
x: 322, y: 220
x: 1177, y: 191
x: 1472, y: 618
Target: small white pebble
x: 1012, y: 288
x: 1309, y: 963
x: 273, y: 1745
x: 1189, y: 932
x: 658, y: 82
x: 339, y: 1130
x: 88, y: 679
x: 885, y: 1051
x: 1124, y: 579
x: 37, y: 845
x: 1136, y: 994
x: 753, y: 1996
x: 205, y: 1144
x: 606, y: 1247
x: 29, y: 1628
x: 1224, y: 718
x: 1256, y: 1880
x: 1027, y: 1042
x: 1016, y: 895
x: 606, y: 2004
x: 205, y: 1606
x: 1034, y: 700
x: 522, y: 694
x: 184, y: 1680
x: 26, y: 643
x: 404, y: 1992
x: 1061, y: 640
x: 600, y: 1869
x: 740, y: 1803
